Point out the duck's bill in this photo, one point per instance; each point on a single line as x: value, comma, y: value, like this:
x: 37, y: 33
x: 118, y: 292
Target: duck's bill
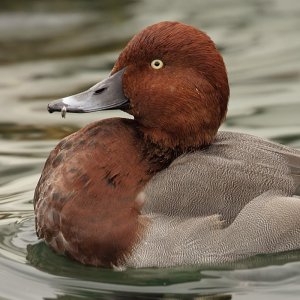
x: 107, y: 94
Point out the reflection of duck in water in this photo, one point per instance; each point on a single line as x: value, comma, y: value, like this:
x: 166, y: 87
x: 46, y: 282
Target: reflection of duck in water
x: 165, y: 189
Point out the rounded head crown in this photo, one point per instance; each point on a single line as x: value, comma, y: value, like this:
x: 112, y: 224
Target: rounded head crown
x: 176, y: 83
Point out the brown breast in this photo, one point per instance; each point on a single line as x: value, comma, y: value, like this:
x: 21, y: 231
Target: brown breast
x: 85, y: 199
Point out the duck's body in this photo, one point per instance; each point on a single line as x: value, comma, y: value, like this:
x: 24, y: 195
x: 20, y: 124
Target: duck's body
x: 226, y: 202
x: 164, y: 189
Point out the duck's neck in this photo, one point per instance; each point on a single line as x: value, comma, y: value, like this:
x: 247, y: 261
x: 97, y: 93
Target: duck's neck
x: 159, y: 157
x: 185, y: 140
x: 160, y: 148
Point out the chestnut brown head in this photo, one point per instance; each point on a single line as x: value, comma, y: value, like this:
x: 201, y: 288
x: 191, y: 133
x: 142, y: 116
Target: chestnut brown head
x: 176, y: 83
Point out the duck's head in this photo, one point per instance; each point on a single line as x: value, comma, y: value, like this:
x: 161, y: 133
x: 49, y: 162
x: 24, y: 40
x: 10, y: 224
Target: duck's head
x: 171, y: 78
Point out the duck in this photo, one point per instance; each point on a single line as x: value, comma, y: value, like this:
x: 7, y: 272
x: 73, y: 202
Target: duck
x: 166, y: 188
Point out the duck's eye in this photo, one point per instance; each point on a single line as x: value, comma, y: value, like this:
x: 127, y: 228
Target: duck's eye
x: 157, y: 64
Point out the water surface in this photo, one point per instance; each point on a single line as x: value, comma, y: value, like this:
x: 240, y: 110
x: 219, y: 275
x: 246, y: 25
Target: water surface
x: 51, y: 49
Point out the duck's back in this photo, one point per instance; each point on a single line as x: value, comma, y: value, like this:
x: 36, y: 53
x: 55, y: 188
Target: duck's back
x: 222, y: 178
x: 229, y: 201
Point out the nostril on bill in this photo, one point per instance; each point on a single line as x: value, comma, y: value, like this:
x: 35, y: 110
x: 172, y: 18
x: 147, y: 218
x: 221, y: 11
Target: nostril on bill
x: 99, y: 91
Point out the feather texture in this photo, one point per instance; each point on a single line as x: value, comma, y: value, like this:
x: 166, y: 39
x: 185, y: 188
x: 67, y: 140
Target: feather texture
x: 229, y: 201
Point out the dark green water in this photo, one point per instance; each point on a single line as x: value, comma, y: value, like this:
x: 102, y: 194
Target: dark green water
x: 50, y: 49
